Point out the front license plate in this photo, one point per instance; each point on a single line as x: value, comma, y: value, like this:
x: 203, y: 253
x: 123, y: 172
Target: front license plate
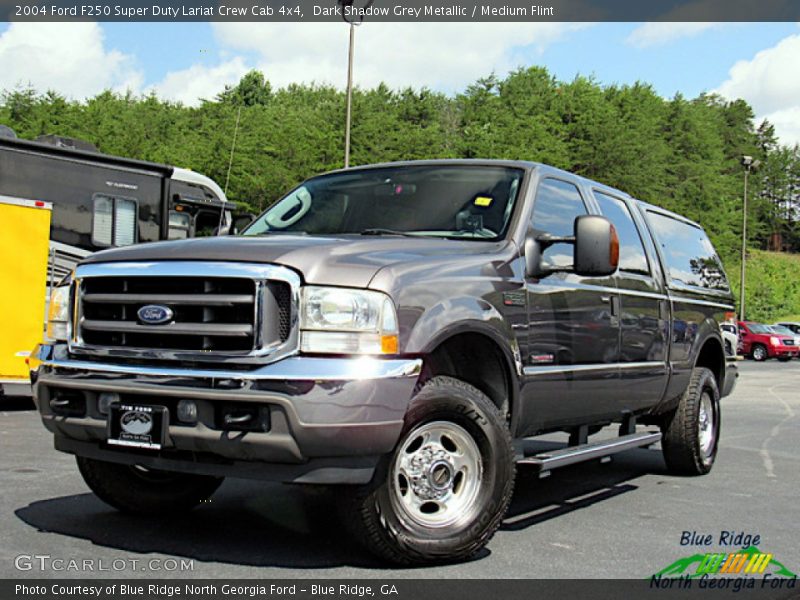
x: 137, y: 426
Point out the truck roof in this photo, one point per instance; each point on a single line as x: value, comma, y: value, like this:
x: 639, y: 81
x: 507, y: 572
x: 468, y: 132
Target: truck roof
x: 481, y: 162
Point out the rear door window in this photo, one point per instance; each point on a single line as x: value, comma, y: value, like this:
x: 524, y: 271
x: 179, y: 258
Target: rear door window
x: 632, y: 257
x: 689, y: 254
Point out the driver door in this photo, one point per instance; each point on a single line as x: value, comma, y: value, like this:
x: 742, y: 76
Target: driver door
x: 571, y: 371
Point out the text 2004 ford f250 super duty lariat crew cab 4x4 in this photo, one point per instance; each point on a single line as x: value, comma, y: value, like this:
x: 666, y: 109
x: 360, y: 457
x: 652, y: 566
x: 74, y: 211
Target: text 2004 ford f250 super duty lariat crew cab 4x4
x: 400, y: 328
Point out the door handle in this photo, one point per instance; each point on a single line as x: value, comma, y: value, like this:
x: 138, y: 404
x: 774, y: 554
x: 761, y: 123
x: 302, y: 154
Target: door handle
x: 615, y: 306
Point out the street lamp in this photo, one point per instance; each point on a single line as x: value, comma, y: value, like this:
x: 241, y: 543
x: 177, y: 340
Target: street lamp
x: 749, y: 164
x: 352, y: 21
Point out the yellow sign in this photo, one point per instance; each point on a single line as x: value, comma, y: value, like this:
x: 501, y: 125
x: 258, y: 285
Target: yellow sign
x: 24, y: 247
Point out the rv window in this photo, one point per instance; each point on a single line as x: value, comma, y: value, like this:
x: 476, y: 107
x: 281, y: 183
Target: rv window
x: 124, y: 222
x: 103, y: 221
x: 178, y: 225
x: 114, y: 221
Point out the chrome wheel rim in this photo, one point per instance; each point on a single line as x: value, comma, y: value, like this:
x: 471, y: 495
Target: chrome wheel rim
x: 759, y: 353
x: 705, y: 425
x: 436, y: 475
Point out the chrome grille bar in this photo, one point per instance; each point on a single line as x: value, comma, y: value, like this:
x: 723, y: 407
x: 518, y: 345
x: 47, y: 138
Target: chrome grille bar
x: 184, y: 299
x: 204, y: 329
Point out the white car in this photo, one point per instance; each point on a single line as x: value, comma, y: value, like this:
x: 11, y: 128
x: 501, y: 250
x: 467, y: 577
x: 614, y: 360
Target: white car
x: 730, y: 336
x: 787, y: 329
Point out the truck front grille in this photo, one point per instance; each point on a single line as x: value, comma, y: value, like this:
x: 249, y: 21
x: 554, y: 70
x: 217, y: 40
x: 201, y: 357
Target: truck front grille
x: 207, y: 315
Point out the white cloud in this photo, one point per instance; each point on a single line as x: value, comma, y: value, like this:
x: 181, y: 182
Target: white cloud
x: 200, y: 82
x: 787, y: 124
x: 70, y: 58
x: 770, y: 82
x: 440, y: 55
x: 659, y: 33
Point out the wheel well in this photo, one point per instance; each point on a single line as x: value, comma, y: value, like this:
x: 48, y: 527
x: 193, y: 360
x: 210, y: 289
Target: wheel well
x: 477, y: 360
x: 712, y: 357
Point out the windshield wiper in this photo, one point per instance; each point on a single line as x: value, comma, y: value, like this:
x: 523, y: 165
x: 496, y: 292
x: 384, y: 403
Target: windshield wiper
x: 379, y: 231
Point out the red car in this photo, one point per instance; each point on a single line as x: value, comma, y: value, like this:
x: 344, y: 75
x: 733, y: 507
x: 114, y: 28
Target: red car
x: 760, y: 342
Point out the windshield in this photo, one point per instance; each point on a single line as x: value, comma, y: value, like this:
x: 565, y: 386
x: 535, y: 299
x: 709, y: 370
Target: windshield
x: 469, y: 202
x: 759, y: 328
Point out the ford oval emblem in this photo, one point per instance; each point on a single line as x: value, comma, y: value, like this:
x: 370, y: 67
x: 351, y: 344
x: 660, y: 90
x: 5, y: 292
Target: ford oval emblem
x: 155, y: 314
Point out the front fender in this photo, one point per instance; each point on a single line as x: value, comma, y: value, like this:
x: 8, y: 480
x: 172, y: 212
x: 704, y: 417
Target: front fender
x: 474, y: 316
x: 461, y: 315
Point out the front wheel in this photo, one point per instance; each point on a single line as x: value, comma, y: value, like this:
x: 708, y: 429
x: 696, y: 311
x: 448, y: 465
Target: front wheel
x: 691, y: 433
x: 139, y: 490
x: 443, y: 492
x: 759, y: 353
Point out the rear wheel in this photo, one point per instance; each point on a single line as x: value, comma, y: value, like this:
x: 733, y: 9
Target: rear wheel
x: 759, y: 353
x: 443, y: 492
x: 691, y: 433
x: 136, y: 489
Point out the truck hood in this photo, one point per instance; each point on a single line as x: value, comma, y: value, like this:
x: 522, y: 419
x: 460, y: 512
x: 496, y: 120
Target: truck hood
x: 321, y: 260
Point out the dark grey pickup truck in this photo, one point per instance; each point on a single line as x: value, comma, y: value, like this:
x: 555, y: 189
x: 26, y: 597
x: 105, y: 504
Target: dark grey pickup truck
x: 397, y: 331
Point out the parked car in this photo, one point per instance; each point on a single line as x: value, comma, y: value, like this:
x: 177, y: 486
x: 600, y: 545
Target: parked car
x: 760, y: 342
x: 399, y: 329
x: 786, y: 331
x: 794, y: 326
x: 730, y: 336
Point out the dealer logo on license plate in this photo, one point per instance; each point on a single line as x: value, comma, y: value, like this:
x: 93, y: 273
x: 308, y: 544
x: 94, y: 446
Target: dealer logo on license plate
x: 138, y: 426
x: 136, y: 422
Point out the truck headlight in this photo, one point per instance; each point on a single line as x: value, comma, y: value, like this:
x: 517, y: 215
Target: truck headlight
x: 58, y: 314
x: 774, y: 341
x: 345, y: 321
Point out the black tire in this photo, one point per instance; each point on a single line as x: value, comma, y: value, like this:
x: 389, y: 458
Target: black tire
x: 376, y: 514
x: 759, y: 352
x: 147, y: 492
x: 682, y: 442
x: 784, y: 358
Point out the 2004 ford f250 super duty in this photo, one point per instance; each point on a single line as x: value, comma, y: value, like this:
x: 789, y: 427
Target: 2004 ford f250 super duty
x: 398, y: 330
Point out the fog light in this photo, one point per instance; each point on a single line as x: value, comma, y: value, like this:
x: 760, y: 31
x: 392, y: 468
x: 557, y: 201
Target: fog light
x: 105, y: 400
x: 187, y: 411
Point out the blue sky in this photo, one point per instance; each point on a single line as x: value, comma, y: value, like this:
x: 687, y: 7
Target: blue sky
x: 599, y: 50
x: 187, y: 61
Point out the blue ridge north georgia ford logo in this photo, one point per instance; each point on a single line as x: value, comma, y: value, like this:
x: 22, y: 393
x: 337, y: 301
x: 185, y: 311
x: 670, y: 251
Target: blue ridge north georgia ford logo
x: 155, y: 314
x: 136, y: 422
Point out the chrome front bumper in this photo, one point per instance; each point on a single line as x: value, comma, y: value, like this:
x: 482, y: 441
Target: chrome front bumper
x: 331, y: 418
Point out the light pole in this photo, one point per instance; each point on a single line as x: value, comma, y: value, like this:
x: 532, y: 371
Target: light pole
x: 349, y: 117
x: 352, y: 21
x: 749, y: 164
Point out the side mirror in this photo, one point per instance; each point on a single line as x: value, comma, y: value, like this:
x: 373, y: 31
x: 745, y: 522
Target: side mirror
x: 596, y: 246
x: 596, y: 249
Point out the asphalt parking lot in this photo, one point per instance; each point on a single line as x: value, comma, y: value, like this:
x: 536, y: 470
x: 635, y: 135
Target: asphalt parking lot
x: 624, y: 519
